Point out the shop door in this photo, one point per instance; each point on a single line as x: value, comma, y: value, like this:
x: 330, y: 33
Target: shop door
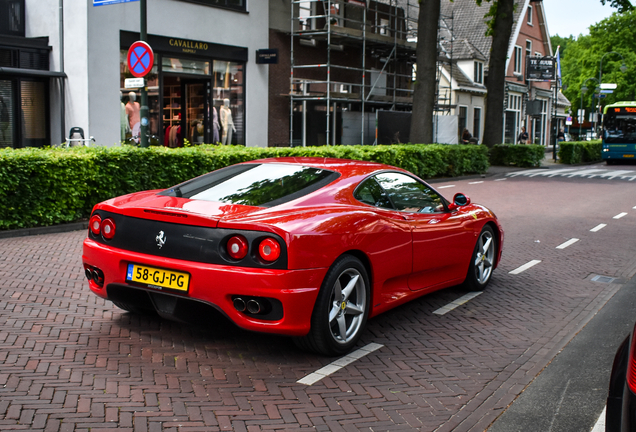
x: 186, y: 110
x: 197, y: 112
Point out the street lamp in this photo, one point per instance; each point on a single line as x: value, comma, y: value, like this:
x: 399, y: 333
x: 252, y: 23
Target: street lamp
x: 600, y: 69
x: 583, y: 91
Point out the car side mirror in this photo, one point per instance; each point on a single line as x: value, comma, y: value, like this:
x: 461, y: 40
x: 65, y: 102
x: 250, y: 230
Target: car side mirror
x: 459, y: 200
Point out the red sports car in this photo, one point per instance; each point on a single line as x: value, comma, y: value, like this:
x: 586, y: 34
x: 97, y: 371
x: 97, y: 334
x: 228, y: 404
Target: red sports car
x: 306, y: 247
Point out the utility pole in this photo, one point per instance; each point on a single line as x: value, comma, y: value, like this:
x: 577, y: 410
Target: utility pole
x: 144, y: 90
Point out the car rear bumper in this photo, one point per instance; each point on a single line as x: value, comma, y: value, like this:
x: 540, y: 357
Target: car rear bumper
x: 217, y: 286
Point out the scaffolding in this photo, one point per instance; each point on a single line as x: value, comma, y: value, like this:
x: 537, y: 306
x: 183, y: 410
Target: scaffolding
x: 363, y: 60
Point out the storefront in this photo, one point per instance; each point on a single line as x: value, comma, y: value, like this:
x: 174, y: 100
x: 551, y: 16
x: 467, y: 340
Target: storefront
x: 196, y: 93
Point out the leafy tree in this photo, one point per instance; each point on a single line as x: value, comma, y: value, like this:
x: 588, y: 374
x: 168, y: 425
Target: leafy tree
x: 582, y: 60
x: 621, y: 5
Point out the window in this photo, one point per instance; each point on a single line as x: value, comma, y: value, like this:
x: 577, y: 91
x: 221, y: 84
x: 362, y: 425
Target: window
x: 371, y: 193
x: 461, y: 120
x: 261, y: 185
x: 408, y: 194
x: 479, y: 73
x: 529, y: 15
x: 230, y: 4
x: 528, y: 48
x: 538, y: 54
x: 517, y: 60
x: 477, y: 122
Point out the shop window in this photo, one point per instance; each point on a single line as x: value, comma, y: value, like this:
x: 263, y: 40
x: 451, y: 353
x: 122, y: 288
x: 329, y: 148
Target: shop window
x: 6, y: 114
x: 170, y: 64
x: 34, y: 117
x: 229, y: 100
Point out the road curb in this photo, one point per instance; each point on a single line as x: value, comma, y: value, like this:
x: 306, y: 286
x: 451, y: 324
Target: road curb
x: 75, y: 226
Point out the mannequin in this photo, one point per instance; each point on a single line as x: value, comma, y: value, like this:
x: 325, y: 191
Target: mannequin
x: 123, y: 118
x: 227, y: 123
x: 215, y: 126
x: 132, y: 111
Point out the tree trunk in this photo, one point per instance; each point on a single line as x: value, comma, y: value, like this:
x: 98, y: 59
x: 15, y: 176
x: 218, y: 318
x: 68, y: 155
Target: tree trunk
x: 425, y: 82
x: 501, y: 29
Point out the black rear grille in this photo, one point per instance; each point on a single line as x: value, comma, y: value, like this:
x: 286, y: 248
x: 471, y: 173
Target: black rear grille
x: 185, y: 242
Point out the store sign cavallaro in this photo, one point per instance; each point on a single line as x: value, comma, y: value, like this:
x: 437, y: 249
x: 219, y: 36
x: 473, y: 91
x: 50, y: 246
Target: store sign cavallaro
x: 188, y: 46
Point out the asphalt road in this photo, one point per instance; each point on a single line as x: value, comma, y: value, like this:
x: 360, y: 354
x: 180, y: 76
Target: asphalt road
x: 70, y: 361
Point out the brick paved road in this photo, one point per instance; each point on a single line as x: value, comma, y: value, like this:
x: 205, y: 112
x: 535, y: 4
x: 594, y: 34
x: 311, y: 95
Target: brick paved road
x: 72, y: 362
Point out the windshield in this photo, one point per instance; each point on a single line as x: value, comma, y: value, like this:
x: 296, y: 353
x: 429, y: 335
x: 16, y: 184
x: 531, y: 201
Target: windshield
x: 619, y: 128
x: 260, y: 185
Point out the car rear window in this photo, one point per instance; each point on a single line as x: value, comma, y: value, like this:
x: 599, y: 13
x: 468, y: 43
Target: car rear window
x: 260, y: 185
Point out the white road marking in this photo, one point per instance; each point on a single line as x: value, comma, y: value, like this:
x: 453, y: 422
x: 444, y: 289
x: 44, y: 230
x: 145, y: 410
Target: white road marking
x: 444, y: 187
x: 634, y: 207
x: 598, y: 227
x: 476, y: 182
x: 525, y: 267
x: 567, y: 243
x: 335, y: 366
x: 507, y: 179
x: 620, y: 215
x: 600, y: 423
x: 460, y: 301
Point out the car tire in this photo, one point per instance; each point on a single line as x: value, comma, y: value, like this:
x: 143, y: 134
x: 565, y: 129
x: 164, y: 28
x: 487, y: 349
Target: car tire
x: 341, y: 309
x: 482, y: 261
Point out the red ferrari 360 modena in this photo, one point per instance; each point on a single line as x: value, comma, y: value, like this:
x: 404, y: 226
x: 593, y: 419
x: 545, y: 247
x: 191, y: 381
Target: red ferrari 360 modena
x: 306, y: 247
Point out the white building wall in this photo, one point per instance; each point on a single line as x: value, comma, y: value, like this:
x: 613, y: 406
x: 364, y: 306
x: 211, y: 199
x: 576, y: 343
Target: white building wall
x: 42, y: 20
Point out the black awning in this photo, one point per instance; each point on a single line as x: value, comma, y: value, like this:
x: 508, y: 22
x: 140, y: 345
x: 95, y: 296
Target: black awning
x: 31, y: 73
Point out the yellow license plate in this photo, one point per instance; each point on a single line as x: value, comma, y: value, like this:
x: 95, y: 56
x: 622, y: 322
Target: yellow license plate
x: 626, y: 156
x: 158, y: 278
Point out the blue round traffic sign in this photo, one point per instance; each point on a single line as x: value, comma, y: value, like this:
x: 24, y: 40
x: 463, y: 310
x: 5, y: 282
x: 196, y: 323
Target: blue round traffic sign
x: 140, y: 59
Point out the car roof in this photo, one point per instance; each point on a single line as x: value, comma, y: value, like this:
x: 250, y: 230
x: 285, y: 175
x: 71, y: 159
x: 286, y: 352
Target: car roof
x: 345, y: 167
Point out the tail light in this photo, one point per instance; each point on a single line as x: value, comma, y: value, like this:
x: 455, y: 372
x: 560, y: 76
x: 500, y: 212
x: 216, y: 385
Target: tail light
x: 631, y: 365
x: 269, y: 250
x: 237, y: 247
x: 108, y: 229
x: 95, y: 224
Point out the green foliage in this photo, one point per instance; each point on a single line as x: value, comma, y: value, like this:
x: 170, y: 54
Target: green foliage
x: 523, y: 155
x: 574, y: 152
x: 621, y: 5
x: 582, y: 60
x: 41, y: 187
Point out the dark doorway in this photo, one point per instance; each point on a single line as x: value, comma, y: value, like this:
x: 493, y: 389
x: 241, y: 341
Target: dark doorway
x: 186, y: 110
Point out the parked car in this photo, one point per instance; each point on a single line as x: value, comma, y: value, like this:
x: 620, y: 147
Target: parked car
x: 305, y: 247
x: 621, y: 400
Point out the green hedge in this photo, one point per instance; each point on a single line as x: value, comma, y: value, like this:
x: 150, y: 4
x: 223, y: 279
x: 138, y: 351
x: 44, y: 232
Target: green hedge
x: 575, y: 152
x: 40, y: 187
x: 521, y: 155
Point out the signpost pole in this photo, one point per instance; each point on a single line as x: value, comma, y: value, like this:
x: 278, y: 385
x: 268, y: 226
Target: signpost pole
x: 144, y: 90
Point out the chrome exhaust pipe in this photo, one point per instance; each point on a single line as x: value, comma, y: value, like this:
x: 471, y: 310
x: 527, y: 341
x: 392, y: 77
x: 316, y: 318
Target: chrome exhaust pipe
x: 253, y: 306
x: 89, y: 274
x: 239, y: 304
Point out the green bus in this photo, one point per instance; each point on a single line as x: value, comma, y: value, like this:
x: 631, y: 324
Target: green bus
x: 619, y: 132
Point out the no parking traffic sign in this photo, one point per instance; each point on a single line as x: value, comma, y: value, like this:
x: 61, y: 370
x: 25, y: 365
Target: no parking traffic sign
x: 140, y: 59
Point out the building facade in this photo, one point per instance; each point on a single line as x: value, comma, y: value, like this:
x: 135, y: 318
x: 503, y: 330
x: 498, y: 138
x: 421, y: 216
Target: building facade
x: 528, y: 104
x: 205, y: 85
